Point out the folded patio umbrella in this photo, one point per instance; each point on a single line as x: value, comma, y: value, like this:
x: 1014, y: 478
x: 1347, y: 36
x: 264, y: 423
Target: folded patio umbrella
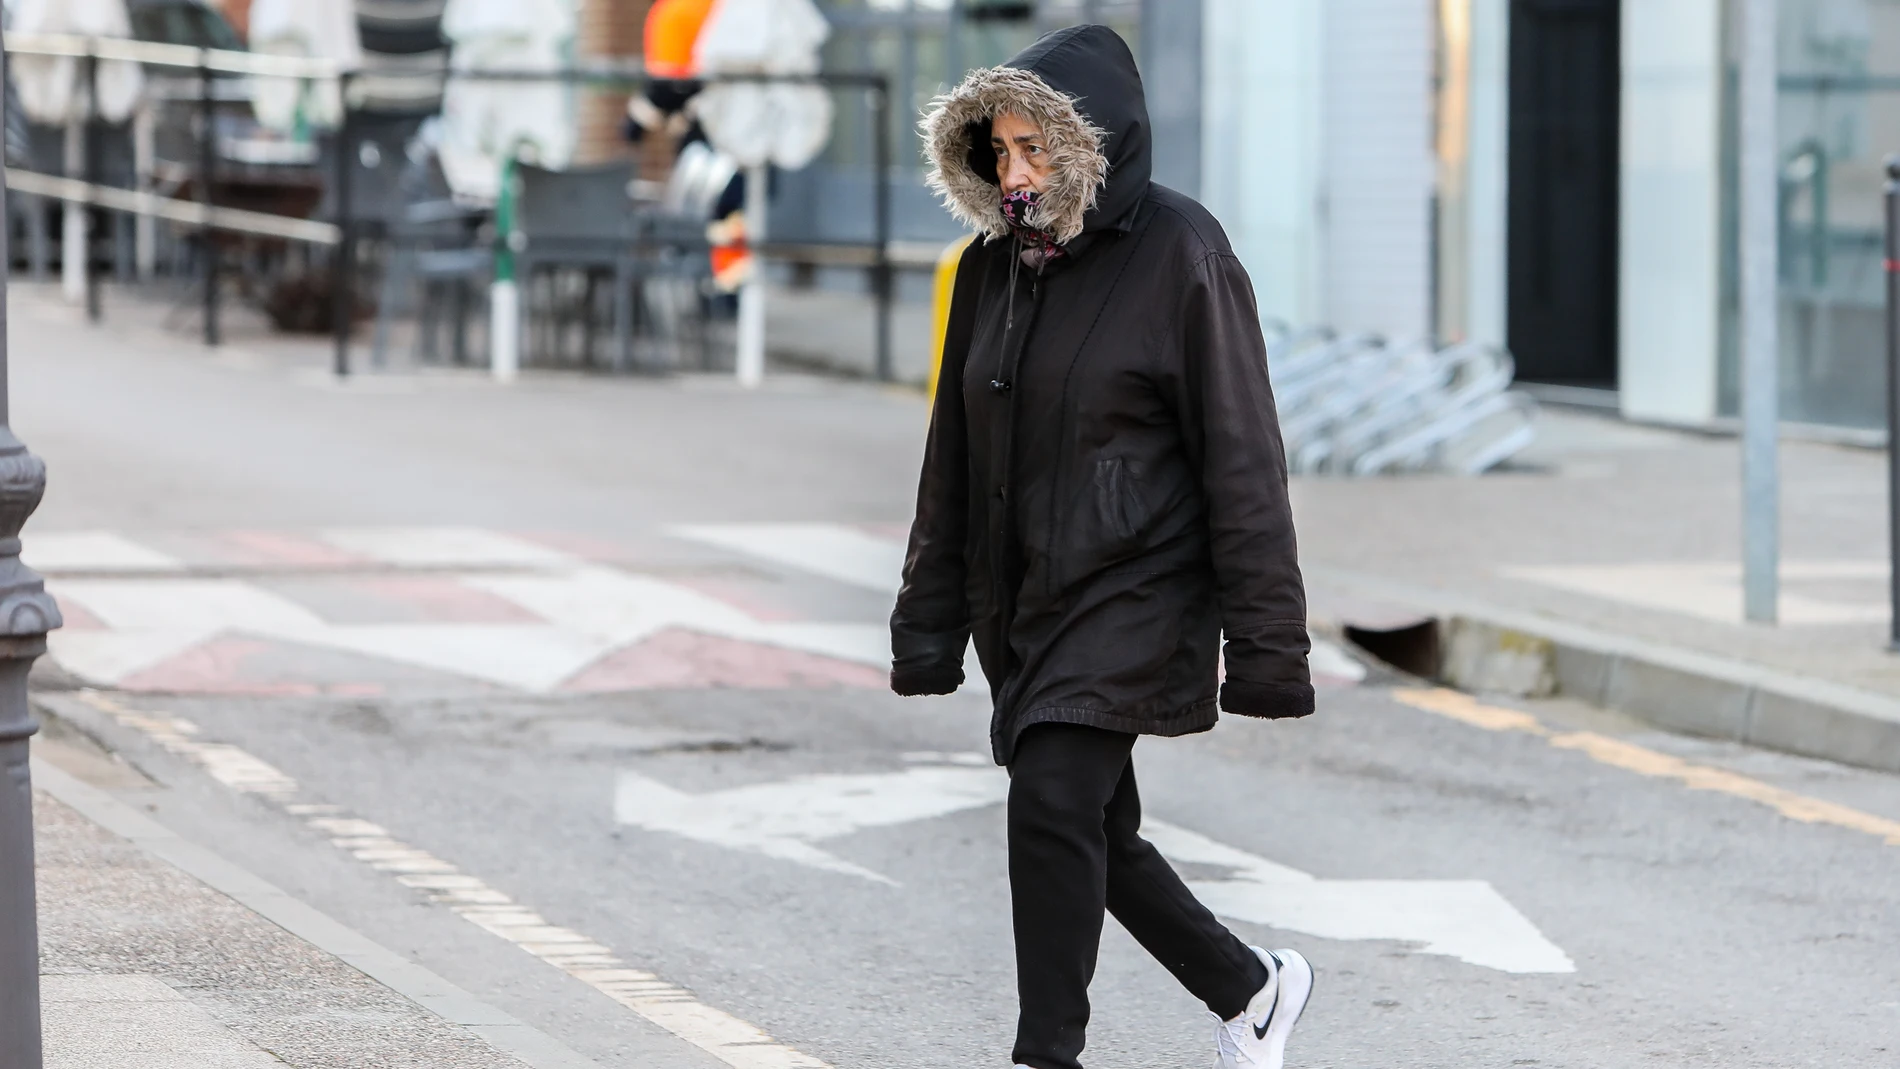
x: 49, y: 86
x: 320, y: 29
x: 484, y: 123
x: 755, y: 123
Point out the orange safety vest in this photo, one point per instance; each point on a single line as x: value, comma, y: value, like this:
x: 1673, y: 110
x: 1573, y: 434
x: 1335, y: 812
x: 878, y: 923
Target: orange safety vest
x: 672, y: 30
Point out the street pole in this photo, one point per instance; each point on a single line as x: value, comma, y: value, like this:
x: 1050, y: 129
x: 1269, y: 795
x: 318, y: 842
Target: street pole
x: 749, y: 364
x: 27, y: 613
x: 1893, y: 401
x: 342, y: 267
x: 881, y: 115
x: 95, y: 217
x: 207, y: 166
x: 1760, y: 185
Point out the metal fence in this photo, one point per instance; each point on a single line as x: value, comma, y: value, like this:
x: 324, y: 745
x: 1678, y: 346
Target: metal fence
x: 344, y: 234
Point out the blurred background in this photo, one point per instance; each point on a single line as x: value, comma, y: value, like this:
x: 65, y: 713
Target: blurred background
x: 1557, y: 178
x: 480, y: 439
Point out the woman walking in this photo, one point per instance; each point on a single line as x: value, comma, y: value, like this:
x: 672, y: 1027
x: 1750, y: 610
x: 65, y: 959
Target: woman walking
x: 1103, y: 496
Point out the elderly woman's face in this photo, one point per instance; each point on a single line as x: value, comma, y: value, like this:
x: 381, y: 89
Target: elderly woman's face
x: 1022, y: 156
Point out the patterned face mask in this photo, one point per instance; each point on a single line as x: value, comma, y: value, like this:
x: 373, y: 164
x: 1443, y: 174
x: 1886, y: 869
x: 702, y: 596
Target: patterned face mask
x: 1016, y: 208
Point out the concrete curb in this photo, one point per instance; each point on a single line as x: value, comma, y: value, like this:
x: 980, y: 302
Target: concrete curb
x: 526, y: 1044
x: 1488, y: 648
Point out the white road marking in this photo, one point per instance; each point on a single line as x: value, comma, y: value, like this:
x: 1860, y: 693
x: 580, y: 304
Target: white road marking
x: 444, y: 547
x: 1328, y: 659
x: 189, y: 605
x: 592, y: 611
x: 782, y: 820
x: 731, y: 1040
x: 1465, y: 919
x: 850, y: 555
x: 832, y: 550
x: 92, y: 551
x: 109, y: 656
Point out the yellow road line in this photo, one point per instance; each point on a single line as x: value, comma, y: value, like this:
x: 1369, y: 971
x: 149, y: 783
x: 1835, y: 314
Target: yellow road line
x: 1647, y: 762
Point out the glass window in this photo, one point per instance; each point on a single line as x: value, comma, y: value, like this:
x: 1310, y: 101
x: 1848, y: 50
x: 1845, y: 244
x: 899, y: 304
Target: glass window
x: 1838, y: 116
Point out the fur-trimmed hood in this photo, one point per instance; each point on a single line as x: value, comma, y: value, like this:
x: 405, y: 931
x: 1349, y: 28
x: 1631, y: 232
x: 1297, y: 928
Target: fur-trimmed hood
x: 1080, y: 85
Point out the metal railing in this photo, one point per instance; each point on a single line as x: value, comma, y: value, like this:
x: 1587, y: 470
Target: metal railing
x: 345, y: 235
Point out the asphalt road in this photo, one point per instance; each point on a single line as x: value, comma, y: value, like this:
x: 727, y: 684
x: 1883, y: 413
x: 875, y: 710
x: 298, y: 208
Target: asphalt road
x: 824, y: 860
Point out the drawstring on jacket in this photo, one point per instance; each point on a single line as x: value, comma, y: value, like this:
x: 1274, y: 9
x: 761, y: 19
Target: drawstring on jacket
x: 1009, y: 320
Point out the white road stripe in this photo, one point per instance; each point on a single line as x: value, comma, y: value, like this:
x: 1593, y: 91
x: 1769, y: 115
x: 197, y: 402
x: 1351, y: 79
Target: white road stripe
x: 92, y: 551
x: 445, y: 547
x: 832, y: 550
x: 731, y: 1040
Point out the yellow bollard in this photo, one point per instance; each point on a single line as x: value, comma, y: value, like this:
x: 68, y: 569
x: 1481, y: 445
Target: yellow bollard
x: 940, y: 301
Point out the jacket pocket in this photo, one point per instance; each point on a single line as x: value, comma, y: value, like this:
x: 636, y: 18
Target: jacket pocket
x: 1121, y: 512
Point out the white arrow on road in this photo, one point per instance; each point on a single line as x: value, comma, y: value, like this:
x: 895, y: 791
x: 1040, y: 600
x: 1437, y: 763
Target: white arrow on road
x: 1465, y: 919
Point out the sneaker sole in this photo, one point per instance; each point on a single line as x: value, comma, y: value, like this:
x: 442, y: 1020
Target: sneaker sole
x: 1296, y: 989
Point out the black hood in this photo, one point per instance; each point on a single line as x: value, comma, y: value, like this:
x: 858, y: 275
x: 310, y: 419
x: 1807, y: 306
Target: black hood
x: 1081, y: 86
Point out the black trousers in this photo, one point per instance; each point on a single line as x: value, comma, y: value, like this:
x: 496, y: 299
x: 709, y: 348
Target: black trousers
x: 1075, y: 849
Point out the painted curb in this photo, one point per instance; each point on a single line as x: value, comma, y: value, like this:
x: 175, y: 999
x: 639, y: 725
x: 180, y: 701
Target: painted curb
x: 1500, y: 650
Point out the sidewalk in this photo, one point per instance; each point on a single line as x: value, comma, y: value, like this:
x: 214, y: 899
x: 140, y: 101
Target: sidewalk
x: 1605, y: 565
x: 144, y: 966
x: 808, y: 329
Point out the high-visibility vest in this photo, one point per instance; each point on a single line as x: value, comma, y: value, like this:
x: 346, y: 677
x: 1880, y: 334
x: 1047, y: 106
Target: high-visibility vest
x: 671, y: 31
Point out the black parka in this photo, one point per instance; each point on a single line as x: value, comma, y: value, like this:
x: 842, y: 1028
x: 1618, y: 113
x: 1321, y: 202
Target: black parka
x: 1104, y: 487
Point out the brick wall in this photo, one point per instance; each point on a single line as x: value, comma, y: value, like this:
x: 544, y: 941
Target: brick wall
x: 607, y: 29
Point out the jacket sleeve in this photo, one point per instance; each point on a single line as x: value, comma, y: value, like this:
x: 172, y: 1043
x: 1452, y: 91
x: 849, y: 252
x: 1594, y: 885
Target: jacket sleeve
x: 1233, y: 434
x: 930, y: 628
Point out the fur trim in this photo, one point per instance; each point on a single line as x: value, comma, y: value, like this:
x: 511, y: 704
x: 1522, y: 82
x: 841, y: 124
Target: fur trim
x: 1078, y: 163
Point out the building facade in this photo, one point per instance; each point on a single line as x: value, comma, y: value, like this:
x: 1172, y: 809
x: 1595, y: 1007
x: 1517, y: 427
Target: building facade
x: 1554, y: 176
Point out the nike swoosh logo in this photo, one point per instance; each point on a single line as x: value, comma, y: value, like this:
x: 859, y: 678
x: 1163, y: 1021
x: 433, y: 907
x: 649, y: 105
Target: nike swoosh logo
x: 1260, y: 1030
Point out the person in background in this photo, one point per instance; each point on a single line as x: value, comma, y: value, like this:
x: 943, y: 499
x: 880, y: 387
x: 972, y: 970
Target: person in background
x: 666, y: 107
x: 1103, y: 497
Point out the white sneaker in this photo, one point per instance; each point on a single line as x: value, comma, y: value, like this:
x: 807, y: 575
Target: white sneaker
x: 1257, y: 1038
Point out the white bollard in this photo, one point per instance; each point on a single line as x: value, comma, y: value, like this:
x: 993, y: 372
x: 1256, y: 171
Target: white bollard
x: 750, y: 365
x: 72, y: 236
x: 504, y: 330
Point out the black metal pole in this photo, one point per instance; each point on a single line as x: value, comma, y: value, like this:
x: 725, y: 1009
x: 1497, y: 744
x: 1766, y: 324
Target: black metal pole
x: 30, y: 613
x: 1893, y: 398
x: 881, y: 262
x: 343, y: 273
x: 207, y: 174
x: 89, y: 170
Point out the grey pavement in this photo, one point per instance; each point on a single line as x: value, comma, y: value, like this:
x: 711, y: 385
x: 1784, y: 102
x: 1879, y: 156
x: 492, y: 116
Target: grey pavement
x: 142, y: 965
x: 1720, y: 905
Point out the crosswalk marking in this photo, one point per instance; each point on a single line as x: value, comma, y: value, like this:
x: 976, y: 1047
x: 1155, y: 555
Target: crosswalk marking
x: 93, y: 551
x: 573, y: 614
x: 835, y: 551
x: 784, y: 820
x: 853, y: 556
x: 445, y: 547
x: 496, y: 610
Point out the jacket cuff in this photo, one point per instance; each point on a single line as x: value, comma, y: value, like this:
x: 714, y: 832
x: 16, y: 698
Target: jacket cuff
x: 915, y: 682
x: 1273, y: 701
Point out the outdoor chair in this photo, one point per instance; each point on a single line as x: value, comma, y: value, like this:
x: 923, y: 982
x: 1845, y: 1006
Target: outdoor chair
x: 434, y: 252
x: 677, y: 256
x: 577, y: 225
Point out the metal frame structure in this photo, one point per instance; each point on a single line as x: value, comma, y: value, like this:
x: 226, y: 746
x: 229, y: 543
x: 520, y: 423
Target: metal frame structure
x: 348, y: 230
